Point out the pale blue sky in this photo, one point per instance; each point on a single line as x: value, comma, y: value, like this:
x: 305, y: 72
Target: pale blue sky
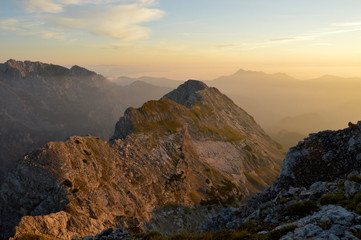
x: 188, y: 38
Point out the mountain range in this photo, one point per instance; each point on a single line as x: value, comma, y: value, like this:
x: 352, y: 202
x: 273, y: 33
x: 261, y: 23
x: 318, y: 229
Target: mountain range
x: 288, y: 108
x: 192, y: 162
x: 44, y: 102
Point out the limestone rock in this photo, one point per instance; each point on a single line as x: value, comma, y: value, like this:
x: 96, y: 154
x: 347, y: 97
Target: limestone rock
x: 351, y: 188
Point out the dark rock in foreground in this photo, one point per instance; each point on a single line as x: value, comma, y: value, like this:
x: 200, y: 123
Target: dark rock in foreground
x: 318, y: 191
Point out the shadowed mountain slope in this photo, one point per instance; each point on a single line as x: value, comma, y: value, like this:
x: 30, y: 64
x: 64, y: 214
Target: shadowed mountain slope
x: 44, y: 102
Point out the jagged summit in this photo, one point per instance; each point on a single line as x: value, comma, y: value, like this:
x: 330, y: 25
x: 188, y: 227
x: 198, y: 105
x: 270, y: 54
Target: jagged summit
x: 209, y: 112
x: 187, y: 93
x: 77, y: 70
x: 22, y: 69
x: 243, y: 71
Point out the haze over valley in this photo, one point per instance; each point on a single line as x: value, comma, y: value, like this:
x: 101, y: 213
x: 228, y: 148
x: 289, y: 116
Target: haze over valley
x: 287, y: 108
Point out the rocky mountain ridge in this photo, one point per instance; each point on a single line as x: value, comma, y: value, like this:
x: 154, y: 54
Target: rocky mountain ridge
x: 43, y: 102
x: 318, y: 191
x: 171, y: 164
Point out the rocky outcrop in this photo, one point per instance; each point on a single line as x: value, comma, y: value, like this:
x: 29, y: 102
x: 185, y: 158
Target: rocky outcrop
x: 318, y: 190
x: 110, y: 234
x: 187, y: 94
x: 170, y: 165
x: 43, y: 102
x: 331, y: 153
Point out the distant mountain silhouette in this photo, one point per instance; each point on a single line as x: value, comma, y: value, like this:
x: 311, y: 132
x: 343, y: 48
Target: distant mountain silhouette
x: 43, y: 102
x: 162, y: 82
x: 271, y: 98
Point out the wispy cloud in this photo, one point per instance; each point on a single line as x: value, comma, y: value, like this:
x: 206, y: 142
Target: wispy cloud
x: 321, y: 44
x: 119, y: 22
x: 347, y: 24
x: 184, y: 34
x: 24, y: 27
x: 116, y: 19
x: 305, y: 37
x: 49, y: 6
x: 229, y: 45
x: 9, y: 24
x: 339, y: 29
x: 283, y: 39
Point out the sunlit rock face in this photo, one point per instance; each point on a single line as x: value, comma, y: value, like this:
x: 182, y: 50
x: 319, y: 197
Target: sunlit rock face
x: 170, y: 165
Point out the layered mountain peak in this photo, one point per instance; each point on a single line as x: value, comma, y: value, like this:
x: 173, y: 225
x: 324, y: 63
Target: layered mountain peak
x: 202, y: 111
x: 187, y: 93
x: 207, y: 118
x: 164, y: 160
x: 23, y: 69
x: 80, y: 71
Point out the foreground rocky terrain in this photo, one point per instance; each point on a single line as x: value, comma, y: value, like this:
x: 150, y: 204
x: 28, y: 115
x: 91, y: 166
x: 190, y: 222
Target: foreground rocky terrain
x: 170, y: 165
x: 42, y: 102
x: 317, y: 194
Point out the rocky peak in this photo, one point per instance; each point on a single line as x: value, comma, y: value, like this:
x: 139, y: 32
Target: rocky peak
x: 171, y: 164
x: 80, y: 71
x: 23, y: 69
x: 323, y: 156
x: 209, y: 113
x: 187, y: 93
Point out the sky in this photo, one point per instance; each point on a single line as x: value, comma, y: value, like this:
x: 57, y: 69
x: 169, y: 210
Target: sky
x: 184, y: 39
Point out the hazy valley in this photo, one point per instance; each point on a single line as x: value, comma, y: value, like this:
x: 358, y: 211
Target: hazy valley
x: 287, y: 108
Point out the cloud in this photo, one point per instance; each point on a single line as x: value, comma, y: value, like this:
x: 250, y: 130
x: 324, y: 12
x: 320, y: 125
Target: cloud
x: 9, y: 24
x: 119, y: 22
x: 49, y: 6
x: 115, y: 19
x: 25, y: 27
x: 321, y: 44
x: 283, y: 39
x: 306, y: 37
x: 347, y: 24
x: 184, y: 34
x: 229, y: 45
